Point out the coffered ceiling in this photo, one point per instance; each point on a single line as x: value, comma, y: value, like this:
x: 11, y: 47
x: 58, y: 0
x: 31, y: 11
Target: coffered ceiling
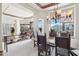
x: 45, y: 5
x: 16, y: 10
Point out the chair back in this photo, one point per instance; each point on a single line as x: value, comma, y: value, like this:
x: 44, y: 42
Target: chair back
x: 62, y: 43
x: 64, y: 34
x: 41, y: 40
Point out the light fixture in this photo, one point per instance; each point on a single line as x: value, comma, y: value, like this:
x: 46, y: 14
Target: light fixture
x: 58, y: 14
x: 59, y: 11
x: 68, y: 14
x: 55, y: 15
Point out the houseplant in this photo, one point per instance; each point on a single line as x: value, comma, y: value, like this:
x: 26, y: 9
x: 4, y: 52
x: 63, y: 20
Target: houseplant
x: 52, y: 33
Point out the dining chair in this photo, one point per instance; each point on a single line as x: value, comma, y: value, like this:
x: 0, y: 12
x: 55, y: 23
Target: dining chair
x: 64, y: 34
x: 62, y: 46
x: 43, y: 49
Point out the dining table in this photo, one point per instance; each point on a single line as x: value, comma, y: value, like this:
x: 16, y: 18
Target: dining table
x: 51, y: 43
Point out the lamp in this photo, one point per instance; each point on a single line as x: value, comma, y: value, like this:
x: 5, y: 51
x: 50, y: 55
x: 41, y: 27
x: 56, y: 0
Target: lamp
x: 68, y: 14
x: 59, y: 11
x: 58, y: 14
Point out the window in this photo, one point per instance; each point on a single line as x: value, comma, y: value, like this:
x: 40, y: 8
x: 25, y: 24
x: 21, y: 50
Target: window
x: 55, y: 24
x: 39, y: 23
x: 69, y: 27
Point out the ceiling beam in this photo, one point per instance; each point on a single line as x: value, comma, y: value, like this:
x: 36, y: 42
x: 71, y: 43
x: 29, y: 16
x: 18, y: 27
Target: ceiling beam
x: 46, y: 6
x: 12, y: 15
x: 17, y: 16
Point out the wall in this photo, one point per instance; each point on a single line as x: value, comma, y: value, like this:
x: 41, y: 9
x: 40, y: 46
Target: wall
x: 0, y: 27
x: 7, y: 19
x: 13, y: 22
x: 77, y: 25
x: 38, y: 14
x: 41, y: 15
x: 25, y: 21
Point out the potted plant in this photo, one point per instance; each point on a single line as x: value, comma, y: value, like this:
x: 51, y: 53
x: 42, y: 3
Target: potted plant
x: 52, y: 32
x: 12, y: 31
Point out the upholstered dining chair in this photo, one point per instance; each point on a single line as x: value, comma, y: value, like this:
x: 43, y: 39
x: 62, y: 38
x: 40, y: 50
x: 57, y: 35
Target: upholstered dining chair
x: 64, y: 34
x: 43, y: 49
x: 62, y: 46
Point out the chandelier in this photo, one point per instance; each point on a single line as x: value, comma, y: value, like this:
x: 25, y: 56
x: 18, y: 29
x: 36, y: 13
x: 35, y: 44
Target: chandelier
x: 58, y: 14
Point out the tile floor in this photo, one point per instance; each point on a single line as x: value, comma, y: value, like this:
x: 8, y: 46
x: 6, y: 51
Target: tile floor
x: 22, y: 48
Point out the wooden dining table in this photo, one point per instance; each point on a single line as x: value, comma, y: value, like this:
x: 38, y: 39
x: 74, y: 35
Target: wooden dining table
x: 50, y: 42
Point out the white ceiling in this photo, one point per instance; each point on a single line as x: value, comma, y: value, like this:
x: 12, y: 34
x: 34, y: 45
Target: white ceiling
x: 49, y: 8
x: 16, y: 11
x: 21, y: 12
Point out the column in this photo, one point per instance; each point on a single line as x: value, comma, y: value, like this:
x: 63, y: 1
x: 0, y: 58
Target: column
x: 46, y: 27
x: 17, y: 29
x: 1, y: 50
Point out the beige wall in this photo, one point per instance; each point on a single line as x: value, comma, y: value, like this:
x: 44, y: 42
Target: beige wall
x: 77, y: 25
x: 0, y: 28
x: 7, y: 19
x: 13, y: 22
x: 25, y: 21
x: 41, y: 15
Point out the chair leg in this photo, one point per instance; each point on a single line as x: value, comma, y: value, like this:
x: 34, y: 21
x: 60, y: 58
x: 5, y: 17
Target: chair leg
x: 4, y: 44
x: 50, y: 51
x: 45, y: 53
x: 38, y: 53
x: 68, y: 53
x: 6, y: 47
x: 56, y: 52
x: 34, y: 43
